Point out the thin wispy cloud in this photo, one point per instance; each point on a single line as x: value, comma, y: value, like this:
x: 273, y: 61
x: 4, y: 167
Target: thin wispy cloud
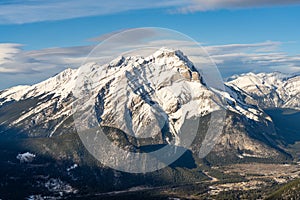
x: 267, y: 46
x: 256, y: 57
x: 18, y: 66
x: 28, y: 11
x: 34, y: 10
x: 204, y: 5
x: 22, y: 67
x: 15, y: 60
x: 7, y: 52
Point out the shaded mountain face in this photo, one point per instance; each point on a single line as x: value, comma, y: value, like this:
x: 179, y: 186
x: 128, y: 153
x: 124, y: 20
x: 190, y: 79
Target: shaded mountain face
x: 159, y: 95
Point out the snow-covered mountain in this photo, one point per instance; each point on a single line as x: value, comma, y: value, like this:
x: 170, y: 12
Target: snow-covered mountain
x: 166, y: 80
x: 163, y: 89
x: 270, y: 90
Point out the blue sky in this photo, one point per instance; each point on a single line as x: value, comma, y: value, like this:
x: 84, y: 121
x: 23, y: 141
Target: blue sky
x: 242, y: 36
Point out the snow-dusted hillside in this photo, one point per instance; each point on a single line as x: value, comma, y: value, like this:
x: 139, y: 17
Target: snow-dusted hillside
x: 44, y: 105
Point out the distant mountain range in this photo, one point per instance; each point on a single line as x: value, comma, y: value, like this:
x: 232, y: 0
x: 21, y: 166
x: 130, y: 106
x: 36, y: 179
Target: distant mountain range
x: 273, y: 90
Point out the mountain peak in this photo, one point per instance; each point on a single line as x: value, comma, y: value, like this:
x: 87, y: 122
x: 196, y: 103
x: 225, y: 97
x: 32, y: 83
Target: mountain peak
x: 166, y: 52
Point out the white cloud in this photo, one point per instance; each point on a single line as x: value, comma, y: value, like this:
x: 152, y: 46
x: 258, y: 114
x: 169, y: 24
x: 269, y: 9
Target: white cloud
x: 33, y: 11
x: 7, y: 52
x: 28, y: 11
x: 205, y: 5
x: 15, y: 60
x: 267, y: 46
x: 19, y: 66
x: 259, y: 57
